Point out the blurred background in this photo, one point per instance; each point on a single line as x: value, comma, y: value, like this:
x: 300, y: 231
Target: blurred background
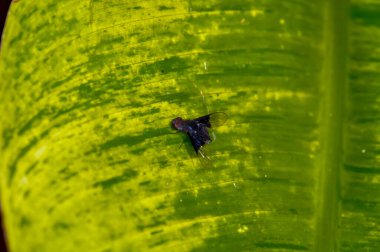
x: 4, y: 6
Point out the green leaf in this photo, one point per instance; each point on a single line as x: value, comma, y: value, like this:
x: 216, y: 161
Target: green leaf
x: 88, y: 160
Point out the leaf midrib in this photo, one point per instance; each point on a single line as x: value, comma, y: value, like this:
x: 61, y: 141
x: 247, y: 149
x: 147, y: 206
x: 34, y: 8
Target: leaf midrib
x: 334, y: 72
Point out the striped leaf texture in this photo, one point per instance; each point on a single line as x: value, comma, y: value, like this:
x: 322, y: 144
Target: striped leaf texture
x: 88, y: 158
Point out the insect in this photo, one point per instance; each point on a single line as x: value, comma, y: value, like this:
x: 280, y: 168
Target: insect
x: 197, y: 129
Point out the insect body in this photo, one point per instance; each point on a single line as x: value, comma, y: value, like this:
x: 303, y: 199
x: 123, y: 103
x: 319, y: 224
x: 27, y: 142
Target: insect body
x: 197, y: 129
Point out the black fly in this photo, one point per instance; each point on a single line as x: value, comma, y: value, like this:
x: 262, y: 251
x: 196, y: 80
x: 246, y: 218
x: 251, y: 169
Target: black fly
x: 197, y: 129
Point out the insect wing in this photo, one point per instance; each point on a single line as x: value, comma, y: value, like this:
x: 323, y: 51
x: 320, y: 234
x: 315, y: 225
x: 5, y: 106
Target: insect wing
x: 200, y: 142
x: 204, y: 156
x: 218, y: 118
x: 213, y: 120
x: 196, y: 142
x: 199, y: 137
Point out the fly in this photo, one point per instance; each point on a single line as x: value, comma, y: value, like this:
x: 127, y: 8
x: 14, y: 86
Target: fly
x: 197, y: 129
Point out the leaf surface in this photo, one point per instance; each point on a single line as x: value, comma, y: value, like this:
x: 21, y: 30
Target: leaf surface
x: 88, y: 160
